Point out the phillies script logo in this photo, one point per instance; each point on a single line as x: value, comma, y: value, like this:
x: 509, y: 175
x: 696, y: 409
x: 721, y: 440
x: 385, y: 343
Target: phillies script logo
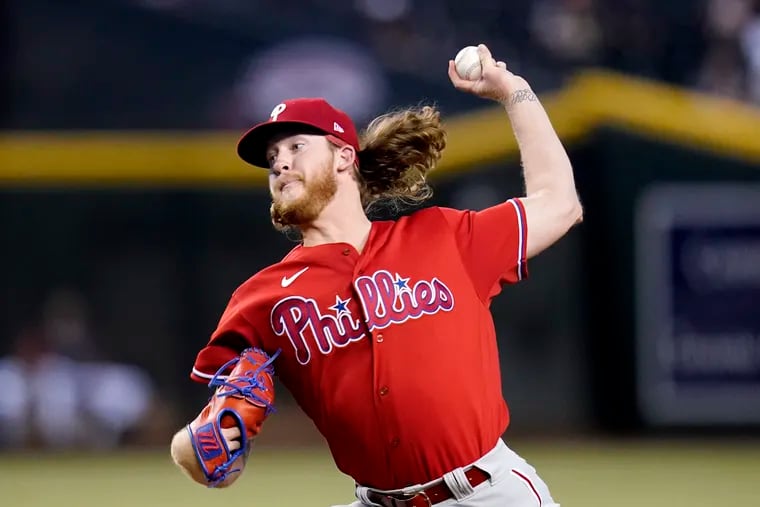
x: 384, y: 300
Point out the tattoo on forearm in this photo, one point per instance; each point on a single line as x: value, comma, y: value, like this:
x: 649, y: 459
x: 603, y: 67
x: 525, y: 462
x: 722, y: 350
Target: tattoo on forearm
x: 525, y: 95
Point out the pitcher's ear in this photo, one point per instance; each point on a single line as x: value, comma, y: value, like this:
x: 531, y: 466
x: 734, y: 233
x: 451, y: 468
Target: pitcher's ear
x: 347, y: 158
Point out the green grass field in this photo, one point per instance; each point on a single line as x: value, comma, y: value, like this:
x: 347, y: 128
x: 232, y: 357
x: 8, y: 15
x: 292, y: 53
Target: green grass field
x: 583, y: 474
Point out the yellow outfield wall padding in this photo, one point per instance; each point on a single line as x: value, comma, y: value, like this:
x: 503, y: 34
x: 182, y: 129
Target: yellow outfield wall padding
x: 591, y: 99
x: 97, y: 157
x: 485, y: 136
x: 672, y: 114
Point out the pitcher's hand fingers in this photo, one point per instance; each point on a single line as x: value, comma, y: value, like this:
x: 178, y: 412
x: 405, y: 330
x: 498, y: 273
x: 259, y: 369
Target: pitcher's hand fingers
x: 485, y: 56
x: 231, y: 435
x: 459, y: 82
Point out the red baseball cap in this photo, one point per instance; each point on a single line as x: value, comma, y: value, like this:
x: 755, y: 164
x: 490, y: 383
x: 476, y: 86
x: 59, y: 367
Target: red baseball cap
x: 313, y: 115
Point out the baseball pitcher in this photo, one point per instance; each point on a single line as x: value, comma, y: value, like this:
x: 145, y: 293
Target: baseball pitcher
x: 381, y: 330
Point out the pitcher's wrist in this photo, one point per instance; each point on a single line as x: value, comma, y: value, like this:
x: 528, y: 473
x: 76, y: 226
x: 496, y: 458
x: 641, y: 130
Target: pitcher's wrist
x: 516, y: 89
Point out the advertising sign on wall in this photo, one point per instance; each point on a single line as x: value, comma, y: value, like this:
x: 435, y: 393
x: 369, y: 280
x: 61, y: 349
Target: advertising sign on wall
x: 697, y: 261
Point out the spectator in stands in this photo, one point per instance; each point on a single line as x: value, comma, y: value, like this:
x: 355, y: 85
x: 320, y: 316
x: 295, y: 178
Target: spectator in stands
x: 60, y: 393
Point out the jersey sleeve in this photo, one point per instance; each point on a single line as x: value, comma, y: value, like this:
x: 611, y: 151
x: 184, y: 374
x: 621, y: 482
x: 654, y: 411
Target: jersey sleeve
x: 233, y: 334
x: 492, y: 244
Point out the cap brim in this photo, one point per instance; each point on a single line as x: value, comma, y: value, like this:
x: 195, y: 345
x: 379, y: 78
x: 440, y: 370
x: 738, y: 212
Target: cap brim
x: 252, y: 146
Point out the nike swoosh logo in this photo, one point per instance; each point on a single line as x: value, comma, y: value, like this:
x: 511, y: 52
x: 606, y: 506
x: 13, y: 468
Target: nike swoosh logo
x: 287, y: 280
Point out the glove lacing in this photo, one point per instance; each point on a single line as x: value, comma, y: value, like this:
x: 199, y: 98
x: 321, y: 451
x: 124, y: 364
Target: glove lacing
x: 249, y: 379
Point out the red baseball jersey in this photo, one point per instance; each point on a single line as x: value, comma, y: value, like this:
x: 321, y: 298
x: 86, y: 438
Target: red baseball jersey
x: 392, y: 351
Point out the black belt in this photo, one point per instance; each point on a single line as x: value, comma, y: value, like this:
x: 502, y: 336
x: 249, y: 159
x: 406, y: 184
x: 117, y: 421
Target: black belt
x: 427, y: 497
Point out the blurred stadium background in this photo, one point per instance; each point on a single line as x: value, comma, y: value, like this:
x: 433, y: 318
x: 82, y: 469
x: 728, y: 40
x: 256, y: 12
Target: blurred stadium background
x: 631, y: 358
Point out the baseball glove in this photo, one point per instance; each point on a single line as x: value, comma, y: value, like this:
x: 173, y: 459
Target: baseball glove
x: 243, y: 398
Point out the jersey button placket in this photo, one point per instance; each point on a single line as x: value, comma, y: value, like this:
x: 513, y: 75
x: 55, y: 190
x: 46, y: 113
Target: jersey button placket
x: 384, y: 391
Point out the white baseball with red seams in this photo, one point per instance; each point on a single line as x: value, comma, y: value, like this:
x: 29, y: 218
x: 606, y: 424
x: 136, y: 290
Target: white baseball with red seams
x: 468, y: 64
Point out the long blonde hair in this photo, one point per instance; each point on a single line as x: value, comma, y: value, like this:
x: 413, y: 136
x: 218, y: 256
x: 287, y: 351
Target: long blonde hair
x: 398, y: 151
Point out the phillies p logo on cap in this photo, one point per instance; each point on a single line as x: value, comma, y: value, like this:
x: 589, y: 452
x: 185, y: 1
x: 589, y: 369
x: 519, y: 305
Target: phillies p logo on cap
x: 277, y: 111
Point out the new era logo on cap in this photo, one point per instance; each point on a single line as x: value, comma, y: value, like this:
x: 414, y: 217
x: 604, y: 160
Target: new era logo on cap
x: 307, y: 115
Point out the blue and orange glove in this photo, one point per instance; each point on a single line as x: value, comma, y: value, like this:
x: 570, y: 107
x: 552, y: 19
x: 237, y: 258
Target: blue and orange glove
x: 244, y: 399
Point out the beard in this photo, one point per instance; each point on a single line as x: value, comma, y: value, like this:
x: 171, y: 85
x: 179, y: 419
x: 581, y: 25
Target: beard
x: 317, y: 194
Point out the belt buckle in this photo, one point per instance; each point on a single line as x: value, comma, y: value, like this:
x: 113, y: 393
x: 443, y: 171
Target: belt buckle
x: 427, y: 498
x: 401, y: 500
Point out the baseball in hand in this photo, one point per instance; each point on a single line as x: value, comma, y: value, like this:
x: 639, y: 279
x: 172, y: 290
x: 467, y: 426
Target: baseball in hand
x: 467, y: 63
